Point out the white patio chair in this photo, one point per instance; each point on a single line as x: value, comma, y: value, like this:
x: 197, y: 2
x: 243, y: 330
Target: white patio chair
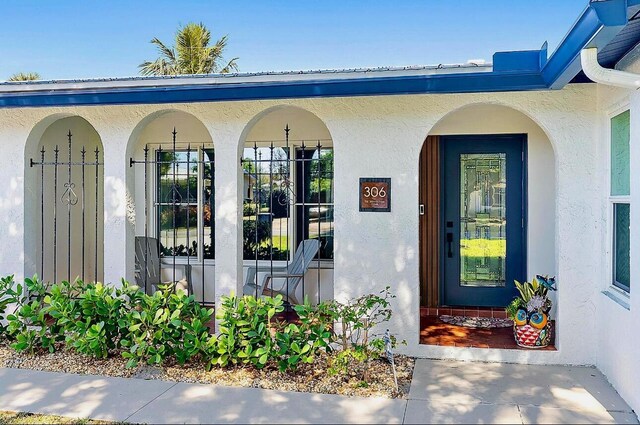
x: 291, y: 273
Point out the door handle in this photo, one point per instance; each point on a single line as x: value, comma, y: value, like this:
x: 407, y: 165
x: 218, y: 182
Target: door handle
x: 449, y: 242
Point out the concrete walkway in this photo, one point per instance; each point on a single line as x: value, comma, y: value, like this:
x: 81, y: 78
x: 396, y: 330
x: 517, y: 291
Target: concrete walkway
x: 441, y: 391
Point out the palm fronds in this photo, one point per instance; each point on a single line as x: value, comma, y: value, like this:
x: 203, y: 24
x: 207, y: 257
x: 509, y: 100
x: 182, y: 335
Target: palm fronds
x: 192, y: 54
x: 25, y: 76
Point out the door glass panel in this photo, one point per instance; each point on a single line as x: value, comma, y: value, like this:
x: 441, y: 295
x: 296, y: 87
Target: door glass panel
x: 483, y: 242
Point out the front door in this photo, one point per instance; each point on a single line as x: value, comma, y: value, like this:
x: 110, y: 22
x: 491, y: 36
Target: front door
x: 483, y: 220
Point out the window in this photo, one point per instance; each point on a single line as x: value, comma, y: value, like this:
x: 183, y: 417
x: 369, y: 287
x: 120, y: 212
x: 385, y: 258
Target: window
x: 314, y: 198
x: 184, y: 202
x: 287, y: 200
x: 620, y: 201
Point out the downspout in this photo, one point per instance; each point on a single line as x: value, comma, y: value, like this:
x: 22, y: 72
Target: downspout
x: 606, y: 76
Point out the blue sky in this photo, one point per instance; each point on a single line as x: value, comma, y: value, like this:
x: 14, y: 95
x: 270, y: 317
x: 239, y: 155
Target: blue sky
x: 82, y: 38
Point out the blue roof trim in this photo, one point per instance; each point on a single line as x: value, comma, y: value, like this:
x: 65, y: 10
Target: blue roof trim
x: 596, y: 27
x: 513, y: 71
x: 448, y: 83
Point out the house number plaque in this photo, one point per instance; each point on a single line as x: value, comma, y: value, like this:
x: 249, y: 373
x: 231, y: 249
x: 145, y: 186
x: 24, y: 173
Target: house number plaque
x: 375, y: 194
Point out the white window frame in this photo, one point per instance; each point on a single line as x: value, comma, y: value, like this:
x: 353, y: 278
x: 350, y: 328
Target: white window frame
x: 153, y: 222
x: 612, y: 290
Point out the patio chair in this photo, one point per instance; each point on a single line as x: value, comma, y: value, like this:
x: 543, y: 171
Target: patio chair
x: 292, y: 272
x: 147, y: 248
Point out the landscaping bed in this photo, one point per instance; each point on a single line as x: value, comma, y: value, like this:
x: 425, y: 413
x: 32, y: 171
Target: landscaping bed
x: 90, y: 328
x: 306, y: 378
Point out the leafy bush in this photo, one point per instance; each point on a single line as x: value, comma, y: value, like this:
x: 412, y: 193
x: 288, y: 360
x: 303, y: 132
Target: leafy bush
x: 245, y: 325
x: 165, y: 324
x: 248, y: 209
x: 8, y: 296
x: 29, y: 325
x: 357, y: 319
x: 250, y: 335
x: 92, y: 315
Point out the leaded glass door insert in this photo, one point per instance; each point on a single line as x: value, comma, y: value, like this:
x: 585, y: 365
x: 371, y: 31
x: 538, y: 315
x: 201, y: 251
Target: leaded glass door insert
x: 483, y: 219
x: 483, y: 242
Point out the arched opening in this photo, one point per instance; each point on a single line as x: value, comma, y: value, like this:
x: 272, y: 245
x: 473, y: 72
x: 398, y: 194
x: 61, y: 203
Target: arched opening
x: 477, y: 190
x: 170, y: 182
x: 288, y: 218
x: 64, y: 202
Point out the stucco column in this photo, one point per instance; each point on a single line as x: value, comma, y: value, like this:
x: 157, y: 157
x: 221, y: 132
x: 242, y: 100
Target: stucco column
x: 228, y: 219
x: 114, y: 142
x: 12, y: 250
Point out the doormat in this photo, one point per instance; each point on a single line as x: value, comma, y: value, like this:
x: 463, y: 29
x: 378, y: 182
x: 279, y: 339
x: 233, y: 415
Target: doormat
x: 477, y: 322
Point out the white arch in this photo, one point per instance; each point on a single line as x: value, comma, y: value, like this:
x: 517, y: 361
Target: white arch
x: 84, y: 133
x: 493, y: 117
x: 155, y: 128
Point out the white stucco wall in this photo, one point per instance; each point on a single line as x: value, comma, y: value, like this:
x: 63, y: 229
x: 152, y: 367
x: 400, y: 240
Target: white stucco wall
x: 618, y: 345
x: 372, y: 137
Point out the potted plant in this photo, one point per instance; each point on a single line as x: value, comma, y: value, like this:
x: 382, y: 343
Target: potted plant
x: 530, y: 312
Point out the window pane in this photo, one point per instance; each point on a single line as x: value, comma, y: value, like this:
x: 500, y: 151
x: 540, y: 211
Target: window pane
x: 207, y: 204
x: 178, y: 177
x: 178, y: 208
x: 320, y: 226
x: 621, y: 275
x: 483, y: 224
x: 178, y: 230
x: 620, y: 154
x: 266, y: 211
x: 321, y: 177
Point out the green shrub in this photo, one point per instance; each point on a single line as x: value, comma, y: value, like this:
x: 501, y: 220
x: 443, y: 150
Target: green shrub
x: 163, y: 325
x: 249, y: 335
x: 8, y: 296
x: 245, y: 325
x: 91, y: 314
x: 357, y: 319
x: 29, y: 325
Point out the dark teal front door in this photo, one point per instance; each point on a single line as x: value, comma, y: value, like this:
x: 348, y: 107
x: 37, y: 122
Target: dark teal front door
x: 483, y: 221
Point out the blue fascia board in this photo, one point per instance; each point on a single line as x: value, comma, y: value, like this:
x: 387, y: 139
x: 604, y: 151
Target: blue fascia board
x: 423, y: 84
x: 596, y: 27
x: 513, y: 71
x: 524, y: 60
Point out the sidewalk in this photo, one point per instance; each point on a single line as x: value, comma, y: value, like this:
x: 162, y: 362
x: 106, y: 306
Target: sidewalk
x: 441, y: 391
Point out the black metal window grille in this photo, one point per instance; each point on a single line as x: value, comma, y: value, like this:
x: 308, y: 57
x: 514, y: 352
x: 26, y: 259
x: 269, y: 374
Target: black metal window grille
x: 66, y: 173
x: 179, y: 206
x: 184, y: 202
x: 288, y: 190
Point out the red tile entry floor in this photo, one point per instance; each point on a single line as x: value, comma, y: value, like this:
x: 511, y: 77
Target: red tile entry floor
x: 434, y: 331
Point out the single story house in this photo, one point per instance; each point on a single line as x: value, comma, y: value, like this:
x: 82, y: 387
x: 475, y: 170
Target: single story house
x: 443, y: 182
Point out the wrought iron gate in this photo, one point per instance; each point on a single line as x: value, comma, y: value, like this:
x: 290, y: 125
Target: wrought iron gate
x: 67, y: 171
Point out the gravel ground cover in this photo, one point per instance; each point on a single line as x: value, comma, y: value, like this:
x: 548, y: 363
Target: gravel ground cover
x: 307, y: 378
x: 9, y: 417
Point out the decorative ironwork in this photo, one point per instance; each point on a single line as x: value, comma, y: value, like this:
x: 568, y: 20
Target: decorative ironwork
x: 284, y: 200
x: 194, y: 163
x: 69, y: 198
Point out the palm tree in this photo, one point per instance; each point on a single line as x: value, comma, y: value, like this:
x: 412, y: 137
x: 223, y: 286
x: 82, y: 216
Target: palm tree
x: 25, y: 76
x: 191, y: 54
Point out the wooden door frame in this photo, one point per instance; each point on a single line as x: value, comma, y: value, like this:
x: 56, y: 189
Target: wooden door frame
x: 429, y: 222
